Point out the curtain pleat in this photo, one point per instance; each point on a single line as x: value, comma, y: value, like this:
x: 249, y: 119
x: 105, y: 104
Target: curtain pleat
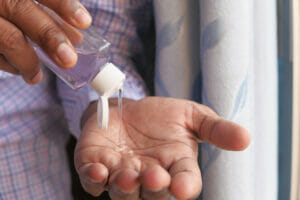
x: 226, y: 53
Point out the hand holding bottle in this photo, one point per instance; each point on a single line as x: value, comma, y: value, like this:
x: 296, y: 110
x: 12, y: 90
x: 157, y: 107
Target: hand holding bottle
x: 160, y: 157
x: 20, y: 18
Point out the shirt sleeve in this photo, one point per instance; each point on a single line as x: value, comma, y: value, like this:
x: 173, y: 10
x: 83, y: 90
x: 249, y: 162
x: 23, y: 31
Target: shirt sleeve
x: 119, y: 21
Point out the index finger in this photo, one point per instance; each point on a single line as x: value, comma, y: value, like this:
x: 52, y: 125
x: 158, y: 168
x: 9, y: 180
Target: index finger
x: 209, y: 127
x: 73, y: 34
x: 72, y: 11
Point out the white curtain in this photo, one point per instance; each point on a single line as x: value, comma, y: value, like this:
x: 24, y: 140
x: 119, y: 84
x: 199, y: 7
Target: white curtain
x: 225, y: 52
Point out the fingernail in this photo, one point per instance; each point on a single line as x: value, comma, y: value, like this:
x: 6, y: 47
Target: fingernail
x: 66, y: 55
x: 38, y: 77
x: 121, y: 191
x: 155, y: 190
x: 82, y: 17
x: 90, y: 180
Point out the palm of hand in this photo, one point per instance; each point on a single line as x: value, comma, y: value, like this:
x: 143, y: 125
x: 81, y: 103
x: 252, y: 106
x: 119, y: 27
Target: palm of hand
x: 160, y: 150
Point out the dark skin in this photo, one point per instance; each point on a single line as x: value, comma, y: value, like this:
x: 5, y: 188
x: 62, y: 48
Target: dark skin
x: 162, y: 136
x: 21, y: 18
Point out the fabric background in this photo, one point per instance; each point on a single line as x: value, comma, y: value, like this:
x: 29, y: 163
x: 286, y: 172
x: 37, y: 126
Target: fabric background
x: 228, y: 54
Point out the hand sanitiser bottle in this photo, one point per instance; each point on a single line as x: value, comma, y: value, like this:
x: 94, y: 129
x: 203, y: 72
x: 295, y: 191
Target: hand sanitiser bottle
x: 91, y: 68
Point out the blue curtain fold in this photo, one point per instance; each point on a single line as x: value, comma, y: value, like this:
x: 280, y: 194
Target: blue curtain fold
x: 225, y: 53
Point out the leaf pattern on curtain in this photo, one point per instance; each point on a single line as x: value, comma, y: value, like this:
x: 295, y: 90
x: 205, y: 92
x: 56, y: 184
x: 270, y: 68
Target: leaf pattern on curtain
x: 165, y: 37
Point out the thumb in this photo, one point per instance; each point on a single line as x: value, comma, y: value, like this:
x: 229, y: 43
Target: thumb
x: 209, y: 127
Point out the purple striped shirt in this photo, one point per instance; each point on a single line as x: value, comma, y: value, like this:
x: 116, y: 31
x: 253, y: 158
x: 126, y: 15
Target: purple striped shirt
x: 34, y: 120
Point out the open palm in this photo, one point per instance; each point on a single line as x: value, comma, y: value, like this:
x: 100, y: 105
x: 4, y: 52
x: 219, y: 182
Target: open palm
x: 152, y: 152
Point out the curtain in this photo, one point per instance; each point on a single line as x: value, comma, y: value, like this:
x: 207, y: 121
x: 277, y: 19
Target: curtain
x: 224, y: 54
x: 285, y: 71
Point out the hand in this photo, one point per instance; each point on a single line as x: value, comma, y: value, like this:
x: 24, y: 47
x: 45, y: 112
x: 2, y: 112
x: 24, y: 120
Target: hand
x: 20, y: 18
x: 160, y: 156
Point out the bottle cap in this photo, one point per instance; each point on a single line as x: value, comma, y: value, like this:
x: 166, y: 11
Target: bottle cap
x: 108, y: 80
x: 106, y: 83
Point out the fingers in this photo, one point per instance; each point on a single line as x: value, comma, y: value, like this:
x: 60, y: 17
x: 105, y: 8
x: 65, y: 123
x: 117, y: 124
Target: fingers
x: 219, y: 132
x: 73, y: 34
x: 186, y: 179
x: 72, y: 11
x: 40, y: 28
x: 5, y: 66
x: 124, y: 185
x: 19, y: 55
x: 25, y: 17
x: 155, y: 182
x: 93, y: 178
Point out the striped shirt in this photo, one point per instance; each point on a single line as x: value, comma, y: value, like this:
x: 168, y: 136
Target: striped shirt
x: 35, y: 121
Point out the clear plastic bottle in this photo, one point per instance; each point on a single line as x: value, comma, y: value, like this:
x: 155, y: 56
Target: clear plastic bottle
x: 91, y: 68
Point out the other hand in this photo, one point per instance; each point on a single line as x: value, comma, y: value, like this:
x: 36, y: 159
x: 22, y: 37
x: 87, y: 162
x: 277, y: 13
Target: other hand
x: 159, y: 157
x: 20, y: 18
